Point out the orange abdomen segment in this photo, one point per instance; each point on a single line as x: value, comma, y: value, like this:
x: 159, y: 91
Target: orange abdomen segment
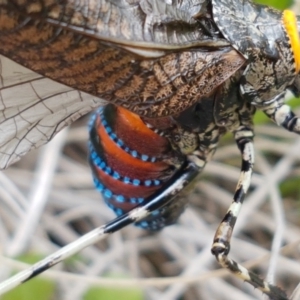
x: 127, y: 158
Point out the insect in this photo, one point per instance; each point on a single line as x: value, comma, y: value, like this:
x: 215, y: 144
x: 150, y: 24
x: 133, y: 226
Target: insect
x: 183, y: 80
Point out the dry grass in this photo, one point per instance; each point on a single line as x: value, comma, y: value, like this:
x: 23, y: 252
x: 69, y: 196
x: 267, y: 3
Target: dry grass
x: 48, y: 200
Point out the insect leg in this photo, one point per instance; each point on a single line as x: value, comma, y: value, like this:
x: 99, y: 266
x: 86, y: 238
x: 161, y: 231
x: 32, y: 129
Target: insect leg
x: 162, y: 198
x: 282, y: 114
x: 157, y: 201
x: 221, y: 245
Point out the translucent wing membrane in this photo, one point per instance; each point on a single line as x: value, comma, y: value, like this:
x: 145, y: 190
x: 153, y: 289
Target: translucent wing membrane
x: 33, y: 109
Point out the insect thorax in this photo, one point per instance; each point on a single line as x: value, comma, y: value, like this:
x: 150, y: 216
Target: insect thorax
x: 259, y: 33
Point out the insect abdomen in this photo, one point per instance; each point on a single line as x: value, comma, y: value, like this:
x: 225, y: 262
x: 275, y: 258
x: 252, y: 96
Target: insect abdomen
x: 127, y: 161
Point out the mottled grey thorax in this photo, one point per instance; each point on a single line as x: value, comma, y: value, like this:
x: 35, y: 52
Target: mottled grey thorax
x: 258, y: 33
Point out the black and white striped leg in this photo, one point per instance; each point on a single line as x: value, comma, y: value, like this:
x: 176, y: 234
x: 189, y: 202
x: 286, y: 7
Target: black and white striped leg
x: 221, y: 244
x: 282, y: 114
x: 157, y: 201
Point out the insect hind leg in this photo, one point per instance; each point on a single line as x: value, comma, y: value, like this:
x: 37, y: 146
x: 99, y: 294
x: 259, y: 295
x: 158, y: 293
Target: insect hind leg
x: 282, y: 114
x: 162, y: 198
x: 221, y: 244
x: 158, y: 201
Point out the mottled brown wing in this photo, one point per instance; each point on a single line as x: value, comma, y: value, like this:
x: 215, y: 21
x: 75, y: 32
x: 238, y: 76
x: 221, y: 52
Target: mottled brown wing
x: 149, y: 68
x: 152, y: 86
x: 148, y: 24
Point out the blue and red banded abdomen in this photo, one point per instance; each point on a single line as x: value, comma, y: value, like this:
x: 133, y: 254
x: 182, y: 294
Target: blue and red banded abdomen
x: 130, y: 162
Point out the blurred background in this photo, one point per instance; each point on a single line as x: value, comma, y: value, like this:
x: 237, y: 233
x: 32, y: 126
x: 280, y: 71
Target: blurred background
x: 132, y: 264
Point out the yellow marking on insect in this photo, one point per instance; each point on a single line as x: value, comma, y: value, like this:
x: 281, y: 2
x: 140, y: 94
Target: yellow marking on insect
x: 290, y: 24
